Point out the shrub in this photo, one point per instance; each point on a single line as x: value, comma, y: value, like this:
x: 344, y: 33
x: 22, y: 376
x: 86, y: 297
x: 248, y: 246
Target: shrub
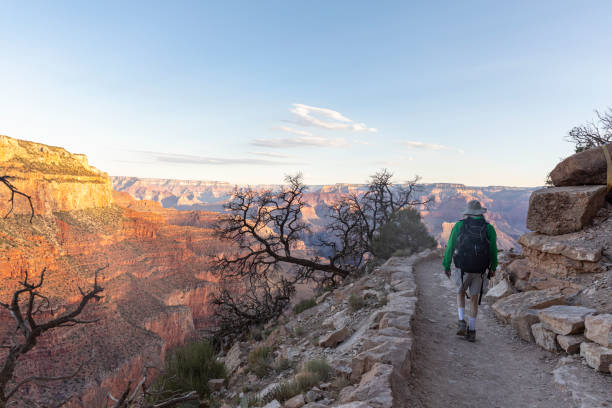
x: 304, y: 305
x: 314, y: 372
x: 189, y: 368
x: 260, y: 361
x: 356, y: 302
x: 405, y: 231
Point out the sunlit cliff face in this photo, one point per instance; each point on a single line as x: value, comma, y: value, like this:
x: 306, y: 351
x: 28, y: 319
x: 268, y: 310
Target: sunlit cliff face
x: 156, y: 284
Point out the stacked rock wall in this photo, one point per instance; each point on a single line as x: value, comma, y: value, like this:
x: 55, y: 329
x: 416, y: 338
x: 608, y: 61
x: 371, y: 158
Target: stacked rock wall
x: 564, y: 278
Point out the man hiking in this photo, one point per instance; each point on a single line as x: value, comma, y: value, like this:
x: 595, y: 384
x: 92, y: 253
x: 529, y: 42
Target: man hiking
x: 472, y: 246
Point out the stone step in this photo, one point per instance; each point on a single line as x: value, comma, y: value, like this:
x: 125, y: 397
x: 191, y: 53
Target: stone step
x: 565, y: 319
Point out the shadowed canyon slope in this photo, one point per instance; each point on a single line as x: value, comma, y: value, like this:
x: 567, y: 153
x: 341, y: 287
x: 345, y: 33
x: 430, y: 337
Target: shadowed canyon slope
x: 507, y: 205
x: 156, y: 283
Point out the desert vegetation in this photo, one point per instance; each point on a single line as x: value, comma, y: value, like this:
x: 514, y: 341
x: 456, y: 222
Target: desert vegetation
x: 267, y: 232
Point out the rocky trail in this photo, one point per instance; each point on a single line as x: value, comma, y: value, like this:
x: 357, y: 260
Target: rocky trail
x: 499, y: 370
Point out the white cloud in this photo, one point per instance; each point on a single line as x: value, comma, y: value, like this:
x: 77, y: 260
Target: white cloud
x: 315, y: 141
x: 430, y: 146
x: 294, y: 131
x: 326, y: 118
x: 272, y: 154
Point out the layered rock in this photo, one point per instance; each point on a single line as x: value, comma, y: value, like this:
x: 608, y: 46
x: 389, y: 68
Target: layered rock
x: 156, y: 285
x: 55, y: 179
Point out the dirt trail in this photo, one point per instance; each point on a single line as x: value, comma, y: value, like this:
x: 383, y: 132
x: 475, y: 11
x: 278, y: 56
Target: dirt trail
x: 499, y: 370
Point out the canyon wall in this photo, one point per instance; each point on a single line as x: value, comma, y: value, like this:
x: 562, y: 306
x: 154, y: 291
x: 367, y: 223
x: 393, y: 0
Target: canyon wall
x: 507, y: 205
x: 156, y: 280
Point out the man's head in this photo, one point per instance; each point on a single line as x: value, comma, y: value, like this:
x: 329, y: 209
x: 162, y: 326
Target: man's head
x: 474, y: 208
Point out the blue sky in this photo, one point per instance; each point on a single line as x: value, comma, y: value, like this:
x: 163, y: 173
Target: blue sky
x: 474, y: 92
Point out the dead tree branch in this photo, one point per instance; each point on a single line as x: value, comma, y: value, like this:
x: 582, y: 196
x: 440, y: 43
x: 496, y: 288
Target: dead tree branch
x: 593, y: 133
x: 14, y: 190
x: 25, y: 305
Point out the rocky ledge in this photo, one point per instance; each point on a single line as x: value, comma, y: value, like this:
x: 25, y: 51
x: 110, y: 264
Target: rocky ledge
x: 362, y: 331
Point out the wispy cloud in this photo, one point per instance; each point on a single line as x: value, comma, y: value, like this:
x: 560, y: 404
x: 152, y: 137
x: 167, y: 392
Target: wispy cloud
x: 271, y: 154
x: 207, y: 160
x: 430, y: 146
x: 326, y: 118
x: 314, y: 141
x: 294, y: 131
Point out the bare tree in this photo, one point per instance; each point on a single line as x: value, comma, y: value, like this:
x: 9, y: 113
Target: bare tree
x: 249, y: 302
x: 266, y: 228
x: 26, y: 304
x: 593, y: 133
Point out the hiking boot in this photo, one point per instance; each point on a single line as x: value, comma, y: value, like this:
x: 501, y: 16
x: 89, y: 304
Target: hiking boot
x: 461, y: 328
x: 470, y: 335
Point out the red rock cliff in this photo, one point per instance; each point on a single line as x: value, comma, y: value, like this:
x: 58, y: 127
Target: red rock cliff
x: 156, y: 285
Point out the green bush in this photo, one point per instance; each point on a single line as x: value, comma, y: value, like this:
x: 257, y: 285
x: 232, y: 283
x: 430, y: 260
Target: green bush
x: 356, y: 302
x: 314, y: 373
x: 189, y: 368
x: 404, y: 232
x: 304, y: 305
x: 260, y: 361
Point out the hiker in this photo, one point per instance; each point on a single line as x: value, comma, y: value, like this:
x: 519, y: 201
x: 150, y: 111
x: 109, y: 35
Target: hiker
x: 472, y: 246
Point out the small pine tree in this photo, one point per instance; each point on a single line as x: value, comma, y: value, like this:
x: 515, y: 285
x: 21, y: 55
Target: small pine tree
x: 405, y: 232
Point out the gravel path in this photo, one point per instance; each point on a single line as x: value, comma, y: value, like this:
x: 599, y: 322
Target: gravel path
x: 499, y: 370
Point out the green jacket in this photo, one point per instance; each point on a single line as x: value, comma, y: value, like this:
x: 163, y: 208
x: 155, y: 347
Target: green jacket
x: 452, y: 244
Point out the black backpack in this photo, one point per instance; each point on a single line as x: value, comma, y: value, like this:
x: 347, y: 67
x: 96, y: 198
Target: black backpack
x: 473, y: 254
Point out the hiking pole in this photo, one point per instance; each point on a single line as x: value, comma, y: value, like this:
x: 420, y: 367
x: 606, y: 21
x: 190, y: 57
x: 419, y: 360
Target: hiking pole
x: 482, y: 284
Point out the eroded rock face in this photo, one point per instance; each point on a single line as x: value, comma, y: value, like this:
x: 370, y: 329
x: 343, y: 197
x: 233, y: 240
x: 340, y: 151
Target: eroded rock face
x: 561, y: 210
x: 565, y: 319
x: 596, y: 356
x: 55, y: 179
x: 599, y: 329
x: 588, y: 167
x: 155, y: 286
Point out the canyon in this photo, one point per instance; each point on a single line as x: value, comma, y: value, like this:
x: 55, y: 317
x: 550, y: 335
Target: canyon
x: 507, y: 206
x: 155, y: 272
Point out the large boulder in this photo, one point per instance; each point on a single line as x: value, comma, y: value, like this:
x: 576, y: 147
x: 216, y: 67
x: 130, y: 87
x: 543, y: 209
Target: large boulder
x: 588, y: 167
x: 561, y: 210
x: 521, y: 309
x: 565, y: 319
x: 596, y: 356
x: 544, y: 338
x: 599, y: 329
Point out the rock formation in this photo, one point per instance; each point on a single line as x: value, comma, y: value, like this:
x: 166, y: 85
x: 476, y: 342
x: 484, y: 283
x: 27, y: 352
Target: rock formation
x: 567, y: 259
x: 507, y: 205
x: 156, y: 285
